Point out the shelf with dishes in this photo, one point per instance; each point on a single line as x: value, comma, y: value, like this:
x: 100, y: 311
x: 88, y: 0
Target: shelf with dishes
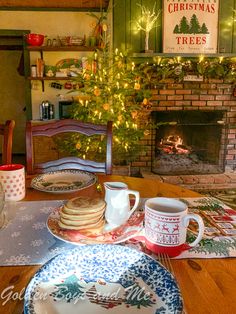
x: 64, y: 70
x: 62, y: 48
x: 69, y: 84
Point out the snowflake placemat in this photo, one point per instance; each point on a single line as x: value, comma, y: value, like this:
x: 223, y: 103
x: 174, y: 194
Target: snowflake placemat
x: 25, y: 240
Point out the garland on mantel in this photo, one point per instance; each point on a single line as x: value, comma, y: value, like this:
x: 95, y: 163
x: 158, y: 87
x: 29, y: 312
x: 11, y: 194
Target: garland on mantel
x: 177, y: 68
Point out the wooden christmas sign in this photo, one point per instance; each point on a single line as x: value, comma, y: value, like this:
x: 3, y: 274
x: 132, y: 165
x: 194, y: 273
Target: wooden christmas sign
x: 190, y: 26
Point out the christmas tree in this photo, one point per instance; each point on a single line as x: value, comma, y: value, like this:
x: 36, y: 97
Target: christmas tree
x: 113, y: 89
x: 137, y: 296
x: 69, y: 290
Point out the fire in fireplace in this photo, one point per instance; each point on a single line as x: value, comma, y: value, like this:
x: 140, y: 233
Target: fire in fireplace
x: 173, y: 145
x: 189, y: 142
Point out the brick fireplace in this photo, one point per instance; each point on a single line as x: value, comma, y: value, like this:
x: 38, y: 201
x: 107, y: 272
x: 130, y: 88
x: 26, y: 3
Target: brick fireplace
x: 208, y: 96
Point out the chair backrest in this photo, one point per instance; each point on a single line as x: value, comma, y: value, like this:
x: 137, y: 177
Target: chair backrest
x: 52, y: 128
x: 6, y: 130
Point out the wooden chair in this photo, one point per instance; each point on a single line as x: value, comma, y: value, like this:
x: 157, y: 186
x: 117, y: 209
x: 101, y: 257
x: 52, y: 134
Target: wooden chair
x: 6, y: 130
x: 52, y: 128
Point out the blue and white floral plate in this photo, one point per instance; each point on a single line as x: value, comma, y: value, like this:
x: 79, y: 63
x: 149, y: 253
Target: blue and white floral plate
x: 100, y: 279
x: 64, y: 181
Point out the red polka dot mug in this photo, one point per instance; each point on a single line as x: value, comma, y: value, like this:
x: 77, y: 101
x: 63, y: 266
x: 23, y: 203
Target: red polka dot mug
x: 12, y: 178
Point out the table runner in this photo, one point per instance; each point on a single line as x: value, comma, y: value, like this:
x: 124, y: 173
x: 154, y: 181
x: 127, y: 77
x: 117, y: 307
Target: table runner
x: 26, y: 240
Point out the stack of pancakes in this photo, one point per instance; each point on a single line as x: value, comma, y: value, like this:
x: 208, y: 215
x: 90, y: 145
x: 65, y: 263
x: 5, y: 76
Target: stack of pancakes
x: 84, y: 214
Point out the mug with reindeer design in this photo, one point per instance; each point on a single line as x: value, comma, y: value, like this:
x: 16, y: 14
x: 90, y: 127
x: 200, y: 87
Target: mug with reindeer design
x: 166, y: 222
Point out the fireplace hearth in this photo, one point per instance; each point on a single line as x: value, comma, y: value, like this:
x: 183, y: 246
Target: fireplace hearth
x: 189, y: 142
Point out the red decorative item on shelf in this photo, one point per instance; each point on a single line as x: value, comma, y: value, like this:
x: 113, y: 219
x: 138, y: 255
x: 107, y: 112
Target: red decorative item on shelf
x: 34, y: 39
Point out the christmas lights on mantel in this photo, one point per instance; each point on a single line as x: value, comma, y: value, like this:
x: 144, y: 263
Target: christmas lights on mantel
x: 177, y: 68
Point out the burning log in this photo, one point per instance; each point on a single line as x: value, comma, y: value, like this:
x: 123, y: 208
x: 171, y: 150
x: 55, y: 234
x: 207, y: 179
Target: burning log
x: 173, y: 144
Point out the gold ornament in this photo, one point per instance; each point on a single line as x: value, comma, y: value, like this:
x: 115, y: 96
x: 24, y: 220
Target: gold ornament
x: 146, y: 132
x: 97, y: 91
x: 106, y: 106
x: 120, y: 64
x: 134, y: 114
x: 119, y: 118
x: 86, y: 76
x: 137, y: 86
x: 78, y: 145
x: 145, y: 101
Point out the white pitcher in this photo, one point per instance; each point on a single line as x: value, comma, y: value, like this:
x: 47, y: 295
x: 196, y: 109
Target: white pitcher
x: 117, y: 199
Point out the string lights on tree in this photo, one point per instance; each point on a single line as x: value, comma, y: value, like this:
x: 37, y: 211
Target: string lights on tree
x: 116, y: 91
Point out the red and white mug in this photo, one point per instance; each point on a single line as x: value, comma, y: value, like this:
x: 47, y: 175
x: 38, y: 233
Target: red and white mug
x: 12, y: 178
x: 166, y: 222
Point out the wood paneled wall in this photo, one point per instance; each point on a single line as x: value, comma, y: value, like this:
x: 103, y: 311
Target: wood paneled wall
x: 127, y: 11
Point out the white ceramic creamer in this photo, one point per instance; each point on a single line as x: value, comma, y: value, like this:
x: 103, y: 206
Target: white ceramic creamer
x: 118, y: 209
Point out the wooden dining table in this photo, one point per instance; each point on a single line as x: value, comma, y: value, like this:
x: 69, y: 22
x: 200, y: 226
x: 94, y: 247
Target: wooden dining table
x: 206, y: 285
